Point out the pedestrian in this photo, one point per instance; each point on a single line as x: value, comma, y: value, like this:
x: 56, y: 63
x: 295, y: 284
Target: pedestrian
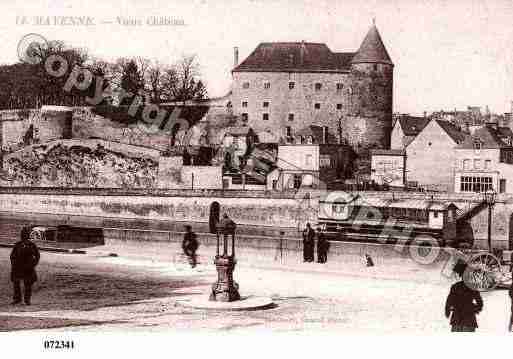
x: 463, y: 303
x: 24, y: 259
x: 190, y: 245
x: 308, y: 244
x: 323, y: 246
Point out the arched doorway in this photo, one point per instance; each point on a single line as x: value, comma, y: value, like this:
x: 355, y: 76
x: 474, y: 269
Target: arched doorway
x: 215, y: 209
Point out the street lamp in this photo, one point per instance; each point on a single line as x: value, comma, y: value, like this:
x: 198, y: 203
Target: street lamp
x: 225, y: 289
x: 489, y: 197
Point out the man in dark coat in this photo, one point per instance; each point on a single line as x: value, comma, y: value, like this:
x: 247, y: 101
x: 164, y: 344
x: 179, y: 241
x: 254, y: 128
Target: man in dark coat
x: 24, y: 259
x: 190, y: 245
x: 308, y: 243
x: 322, y: 247
x: 463, y: 302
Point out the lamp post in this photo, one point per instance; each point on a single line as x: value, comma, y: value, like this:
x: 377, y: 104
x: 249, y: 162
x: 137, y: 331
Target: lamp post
x: 489, y: 196
x: 225, y: 289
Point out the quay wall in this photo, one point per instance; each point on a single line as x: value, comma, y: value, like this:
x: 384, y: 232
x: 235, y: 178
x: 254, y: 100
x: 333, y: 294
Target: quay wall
x: 180, y: 206
x: 258, y: 212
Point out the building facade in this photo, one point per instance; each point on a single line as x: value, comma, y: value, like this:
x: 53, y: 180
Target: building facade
x: 282, y: 87
x: 388, y: 167
x: 430, y: 157
x: 484, y: 161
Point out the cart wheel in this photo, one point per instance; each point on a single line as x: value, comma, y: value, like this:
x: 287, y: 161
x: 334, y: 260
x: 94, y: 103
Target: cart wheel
x: 36, y: 236
x: 483, y: 271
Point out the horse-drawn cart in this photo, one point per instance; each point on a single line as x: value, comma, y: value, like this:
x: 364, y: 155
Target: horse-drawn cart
x: 487, y: 270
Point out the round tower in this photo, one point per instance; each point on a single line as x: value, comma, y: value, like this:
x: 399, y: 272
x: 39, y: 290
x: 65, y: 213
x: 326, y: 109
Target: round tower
x: 369, y: 121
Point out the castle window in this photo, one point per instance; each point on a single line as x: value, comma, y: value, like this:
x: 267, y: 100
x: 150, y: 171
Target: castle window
x: 375, y: 67
x: 265, y: 104
x: 339, y: 106
x: 292, y: 85
x: 244, y: 104
x: 291, y: 117
x: 244, y: 117
x: 289, y: 131
x: 318, y: 86
x: 265, y: 117
x: 317, y: 106
x: 340, y: 86
x: 245, y: 85
x: 267, y: 85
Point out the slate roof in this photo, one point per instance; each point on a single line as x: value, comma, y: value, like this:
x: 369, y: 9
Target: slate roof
x: 411, y: 125
x: 295, y: 57
x: 454, y: 132
x: 488, y: 136
x: 372, y: 49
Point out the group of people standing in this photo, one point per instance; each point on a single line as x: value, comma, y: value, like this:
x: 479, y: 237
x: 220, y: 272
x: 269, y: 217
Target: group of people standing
x: 462, y: 305
x: 323, y: 245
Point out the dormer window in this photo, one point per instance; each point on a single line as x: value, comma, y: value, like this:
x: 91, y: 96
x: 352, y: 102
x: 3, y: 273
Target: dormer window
x: 477, y: 144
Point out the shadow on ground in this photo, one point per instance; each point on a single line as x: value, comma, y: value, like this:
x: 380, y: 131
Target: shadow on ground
x: 69, y: 286
x: 10, y: 323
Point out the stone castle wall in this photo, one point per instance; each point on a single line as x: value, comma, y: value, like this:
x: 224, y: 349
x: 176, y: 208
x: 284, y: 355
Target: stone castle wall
x: 369, y: 120
x: 16, y: 125
x: 363, y: 104
x: 299, y: 101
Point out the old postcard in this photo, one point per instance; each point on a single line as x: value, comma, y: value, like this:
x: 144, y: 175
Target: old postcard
x: 252, y: 168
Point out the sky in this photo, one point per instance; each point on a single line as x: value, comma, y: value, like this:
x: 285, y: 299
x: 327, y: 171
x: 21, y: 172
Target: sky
x: 447, y: 54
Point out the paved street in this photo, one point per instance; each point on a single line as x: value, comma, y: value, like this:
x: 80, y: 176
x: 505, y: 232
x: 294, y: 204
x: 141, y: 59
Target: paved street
x: 95, y: 292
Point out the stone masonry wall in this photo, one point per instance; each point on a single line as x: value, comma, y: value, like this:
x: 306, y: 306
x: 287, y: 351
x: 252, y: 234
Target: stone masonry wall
x: 283, y: 101
x: 263, y: 212
x: 370, y: 106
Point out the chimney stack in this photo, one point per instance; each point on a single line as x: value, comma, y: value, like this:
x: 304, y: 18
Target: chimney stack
x: 235, y: 56
x: 324, y: 134
x: 302, y: 52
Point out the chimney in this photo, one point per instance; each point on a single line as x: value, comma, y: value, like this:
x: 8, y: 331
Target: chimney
x: 302, y: 52
x: 235, y: 56
x: 324, y: 134
x: 425, y: 114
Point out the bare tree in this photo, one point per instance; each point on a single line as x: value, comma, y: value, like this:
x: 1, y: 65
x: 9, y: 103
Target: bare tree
x: 182, y: 81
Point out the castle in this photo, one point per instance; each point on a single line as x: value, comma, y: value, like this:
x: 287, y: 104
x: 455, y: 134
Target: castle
x: 283, y: 87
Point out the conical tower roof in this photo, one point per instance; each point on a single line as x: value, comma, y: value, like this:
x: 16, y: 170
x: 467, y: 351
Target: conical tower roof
x: 372, y: 49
